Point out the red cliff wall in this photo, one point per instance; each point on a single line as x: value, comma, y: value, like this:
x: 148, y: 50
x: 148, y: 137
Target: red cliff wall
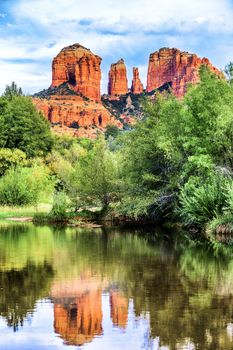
x: 70, y: 110
x: 175, y: 67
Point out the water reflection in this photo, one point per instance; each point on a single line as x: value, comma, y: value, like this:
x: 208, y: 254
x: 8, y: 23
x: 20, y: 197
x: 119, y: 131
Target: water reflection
x: 79, y: 320
x: 114, y: 288
x: 119, y: 309
x: 20, y: 290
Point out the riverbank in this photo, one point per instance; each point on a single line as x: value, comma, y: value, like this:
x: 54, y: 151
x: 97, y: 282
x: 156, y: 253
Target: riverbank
x: 218, y: 230
x: 7, y: 212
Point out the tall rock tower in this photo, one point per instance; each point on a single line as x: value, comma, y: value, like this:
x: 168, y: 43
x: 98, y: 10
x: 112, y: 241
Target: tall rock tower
x: 118, y: 82
x: 137, y: 86
x: 79, y: 67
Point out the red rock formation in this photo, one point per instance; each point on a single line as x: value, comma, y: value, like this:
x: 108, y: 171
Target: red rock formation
x: 81, y: 68
x: 119, y: 309
x: 80, y: 321
x: 175, y: 67
x: 137, y: 86
x: 73, y: 111
x: 118, y: 82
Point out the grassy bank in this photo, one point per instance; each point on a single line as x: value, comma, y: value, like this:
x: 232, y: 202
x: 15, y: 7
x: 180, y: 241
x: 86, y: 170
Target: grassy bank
x: 7, y: 212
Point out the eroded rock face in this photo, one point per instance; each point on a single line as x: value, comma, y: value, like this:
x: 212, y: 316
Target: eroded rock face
x: 75, y: 112
x: 137, y: 86
x: 72, y: 103
x: 79, y: 67
x: 177, y: 68
x: 118, y: 82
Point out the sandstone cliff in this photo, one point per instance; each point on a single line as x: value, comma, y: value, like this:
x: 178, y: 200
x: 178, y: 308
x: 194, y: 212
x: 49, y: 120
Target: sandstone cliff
x: 118, y: 82
x: 137, y: 86
x: 83, y: 117
x: 175, y: 67
x: 73, y: 103
x: 79, y: 67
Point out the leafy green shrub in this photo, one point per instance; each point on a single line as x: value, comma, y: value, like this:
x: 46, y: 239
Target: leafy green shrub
x: 203, y: 202
x: 23, y: 186
x: 229, y: 199
x: 111, y: 131
x: 58, y: 212
x: 11, y: 157
x: 14, y: 189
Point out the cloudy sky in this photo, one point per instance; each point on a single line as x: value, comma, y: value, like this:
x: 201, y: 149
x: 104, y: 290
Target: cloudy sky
x: 32, y: 32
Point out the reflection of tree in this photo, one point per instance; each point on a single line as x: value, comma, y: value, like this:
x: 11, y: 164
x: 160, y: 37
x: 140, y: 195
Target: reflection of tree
x: 185, y: 299
x: 20, y: 290
x: 22, y: 243
x: 185, y: 289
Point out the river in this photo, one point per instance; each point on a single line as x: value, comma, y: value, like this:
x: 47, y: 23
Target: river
x: 112, y: 289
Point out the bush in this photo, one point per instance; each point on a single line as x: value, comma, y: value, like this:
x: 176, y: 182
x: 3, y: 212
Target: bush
x: 201, y: 203
x: 11, y: 157
x: 23, y: 186
x: 111, y: 131
x: 58, y: 212
x: 229, y: 199
x: 14, y: 190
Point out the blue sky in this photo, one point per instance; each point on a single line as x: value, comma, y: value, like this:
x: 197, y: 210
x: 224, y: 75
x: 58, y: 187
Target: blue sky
x: 32, y: 32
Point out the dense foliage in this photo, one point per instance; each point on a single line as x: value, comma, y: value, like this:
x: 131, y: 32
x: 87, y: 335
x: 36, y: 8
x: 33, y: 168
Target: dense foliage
x: 175, y: 164
x: 11, y: 158
x: 21, y: 125
x: 178, y: 161
x: 24, y: 185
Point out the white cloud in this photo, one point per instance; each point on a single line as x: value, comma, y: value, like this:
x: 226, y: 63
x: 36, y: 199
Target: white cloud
x: 27, y: 76
x: 143, y: 13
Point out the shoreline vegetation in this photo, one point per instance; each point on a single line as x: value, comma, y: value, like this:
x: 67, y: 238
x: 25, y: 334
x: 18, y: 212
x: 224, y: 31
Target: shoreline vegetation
x: 173, y: 166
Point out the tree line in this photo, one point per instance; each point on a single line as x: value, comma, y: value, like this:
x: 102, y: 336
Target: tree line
x: 176, y: 164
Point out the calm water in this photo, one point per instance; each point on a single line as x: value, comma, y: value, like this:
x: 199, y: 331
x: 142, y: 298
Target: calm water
x: 63, y: 289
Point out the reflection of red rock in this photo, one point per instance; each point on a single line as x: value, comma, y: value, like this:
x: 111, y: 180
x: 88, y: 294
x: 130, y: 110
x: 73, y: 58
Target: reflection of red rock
x: 175, y: 67
x: 137, y: 86
x: 118, y: 83
x: 81, y: 68
x: 119, y: 309
x: 80, y: 321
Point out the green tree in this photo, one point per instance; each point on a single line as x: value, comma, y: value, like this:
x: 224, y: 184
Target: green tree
x: 229, y: 71
x: 23, y: 127
x: 112, y: 131
x: 178, y: 140
x: 96, y: 175
x: 12, y: 90
x: 152, y: 158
